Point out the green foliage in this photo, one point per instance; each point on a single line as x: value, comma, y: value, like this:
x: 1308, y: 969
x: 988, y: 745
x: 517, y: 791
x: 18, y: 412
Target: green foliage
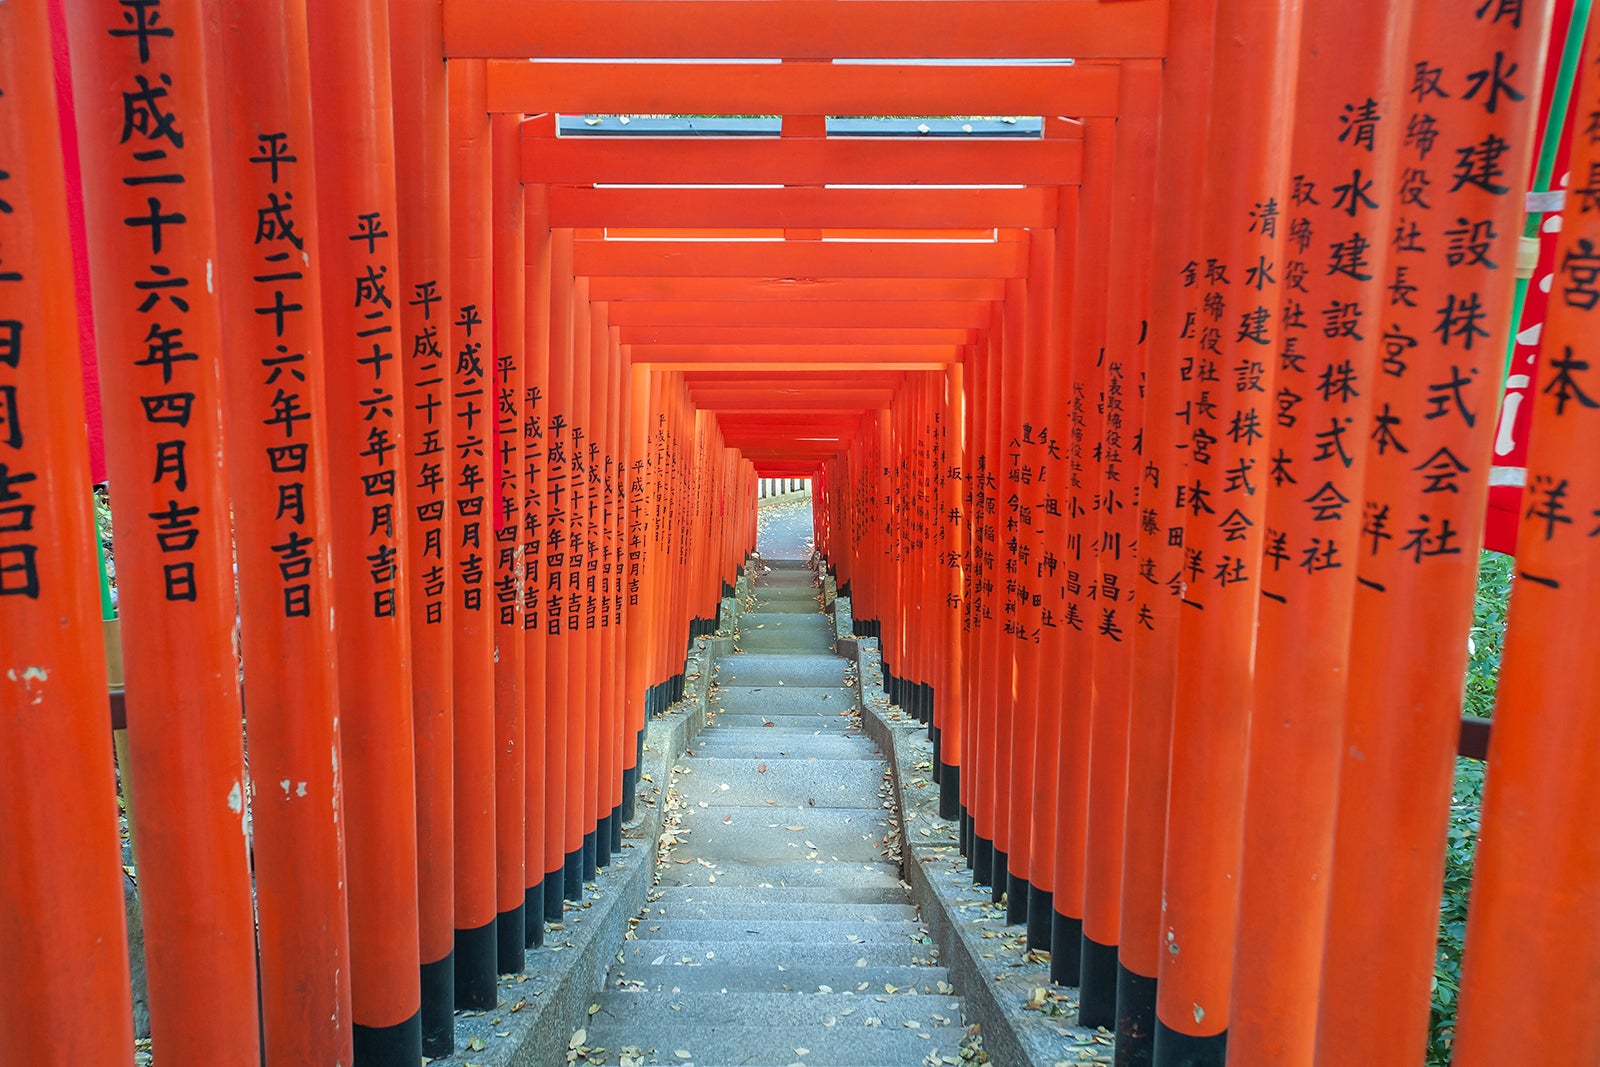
x: 1488, y: 632
x: 1460, y: 848
x: 1486, y: 639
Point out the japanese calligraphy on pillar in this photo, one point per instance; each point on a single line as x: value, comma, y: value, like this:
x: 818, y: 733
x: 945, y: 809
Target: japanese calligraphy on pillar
x: 1563, y: 501
x: 380, y: 433
x: 555, y: 558
x: 533, y: 523
x: 578, y: 544
x: 1336, y: 256
x: 20, y: 492
x: 509, y: 425
x: 471, y: 387
x: 430, y: 467
x: 1447, y: 291
x: 283, y: 297
x: 152, y: 159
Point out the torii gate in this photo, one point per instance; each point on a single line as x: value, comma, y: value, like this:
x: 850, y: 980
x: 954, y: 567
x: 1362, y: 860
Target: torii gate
x: 1213, y: 360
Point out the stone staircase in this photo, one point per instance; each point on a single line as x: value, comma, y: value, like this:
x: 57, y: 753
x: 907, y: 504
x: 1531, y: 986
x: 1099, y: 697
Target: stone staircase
x: 779, y: 932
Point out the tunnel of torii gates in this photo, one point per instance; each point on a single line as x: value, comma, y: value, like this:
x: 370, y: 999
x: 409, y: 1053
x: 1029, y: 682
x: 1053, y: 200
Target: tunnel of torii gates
x: 1153, y: 444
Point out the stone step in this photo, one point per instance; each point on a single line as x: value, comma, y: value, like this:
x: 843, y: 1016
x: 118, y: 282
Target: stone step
x: 766, y: 908
x: 721, y: 742
x: 789, y: 725
x: 779, y: 978
x: 785, y: 633
x: 787, y: 782
x: 757, y: 873
x: 844, y: 1009
x: 785, y: 578
x: 774, y: 700
x: 765, y: 669
x: 784, y: 897
x: 694, y: 954
x: 818, y: 931
x: 761, y: 835
x: 753, y: 1044
x: 788, y: 604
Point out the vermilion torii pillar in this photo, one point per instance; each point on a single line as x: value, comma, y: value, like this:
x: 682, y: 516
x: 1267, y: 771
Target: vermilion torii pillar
x: 61, y: 917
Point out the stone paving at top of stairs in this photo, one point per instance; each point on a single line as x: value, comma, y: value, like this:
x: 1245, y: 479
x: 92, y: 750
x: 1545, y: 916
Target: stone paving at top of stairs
x: 780, y: 931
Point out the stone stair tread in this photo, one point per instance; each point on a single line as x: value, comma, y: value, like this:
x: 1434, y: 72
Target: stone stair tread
x: 734, y: 1006
x: 759, y: 744
x: 752, y: 619
x: 789, y: 605
x: 782, y: 699
x: 782, y: 896
x: 727, y: 836
x: 734, y: 910
x: 761, y: 669
x: 722, y: 782
x: 734, y: 873
x: 816, y: 931
x: 769, y: 978
x: 802, y: 726
x: 789, y: 954
x: 764, y: 1046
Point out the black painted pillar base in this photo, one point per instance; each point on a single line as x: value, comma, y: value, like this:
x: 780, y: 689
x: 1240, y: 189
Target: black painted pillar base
x: 616, y: 830
x: 1136, y: 1019
x: 1000, y: 865
x: 969, y: 843
x: 1066, y: 949
x: 1016, y: 900
x: 602, y: 843
x: 628, y: 810
x: 1183, y: 1050
x: 533, y: 916
x: 589, y: 868
x: 438, y: 1015
x: 982, y: 859
x: 572, y: 876
x: 476, y: 967
x: 891, y: 687
x: 389, y: 1046
x: 938, y: 748
x: 511, y: 934
x: 1097, y: 984
x: 1041, y: 917
x: 950, y: 795
x: 555, y: 905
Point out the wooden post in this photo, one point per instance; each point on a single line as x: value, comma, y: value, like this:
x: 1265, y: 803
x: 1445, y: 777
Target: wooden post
x: 510, y: 715
x: 276, y: 401
x: 1177, y: 219
x: 422, y: 190
x: 536, y: 409
x: 471, y: 353
x: 1240, y: 328
x: 1118, y: 624
x: 141, y: 103
x: 1348, y: 106
x: 1468, y: 105
x: 357, y: 216
x: 1530, y: 946
x: 61, y: 910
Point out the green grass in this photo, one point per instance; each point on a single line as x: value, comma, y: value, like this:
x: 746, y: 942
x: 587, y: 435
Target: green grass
x: 1483, y: 669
